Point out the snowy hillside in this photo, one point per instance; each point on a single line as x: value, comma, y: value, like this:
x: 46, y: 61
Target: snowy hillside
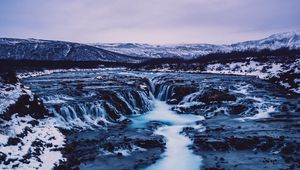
x: 286, y: 75
x: 163, y: 51
x: 276, y: 41
x: 32, y: 49
x: 273, y: 42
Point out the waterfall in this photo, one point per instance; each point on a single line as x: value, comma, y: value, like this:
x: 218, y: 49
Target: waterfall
x: 110, y: 106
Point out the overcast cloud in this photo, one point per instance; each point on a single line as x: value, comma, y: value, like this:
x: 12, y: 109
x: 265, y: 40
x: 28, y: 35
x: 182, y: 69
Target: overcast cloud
x: 148, y: 21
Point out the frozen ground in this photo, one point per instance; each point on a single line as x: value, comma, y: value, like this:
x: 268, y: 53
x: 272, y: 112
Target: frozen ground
x: 26, y: 143
x: 9, y: 94
x: 262, y: 70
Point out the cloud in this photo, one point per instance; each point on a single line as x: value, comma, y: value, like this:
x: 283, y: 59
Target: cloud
x: 148, y: 21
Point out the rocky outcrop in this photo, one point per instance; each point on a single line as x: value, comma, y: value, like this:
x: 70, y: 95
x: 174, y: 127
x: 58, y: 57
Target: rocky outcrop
x: 213, y: 96
x: 133, y: 149
x: 228, y: 143
x: 26, y: 106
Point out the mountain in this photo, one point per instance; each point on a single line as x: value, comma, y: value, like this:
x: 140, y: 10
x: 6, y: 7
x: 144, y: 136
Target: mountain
x: 276, y: 41
x: 162, y: 51
x: 33, y: 49
x: 288, y: 39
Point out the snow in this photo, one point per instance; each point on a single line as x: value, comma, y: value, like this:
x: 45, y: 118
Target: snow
x: 10, y: 93
x: 45, y: 131
x: 297, y: 80
x: 262, y: 70
x: 252, y: 68
x: 47, y: 72
x: 285, y: 85
x: 296, y: 90
x: 276, y: 41
x: 159, y: 51
x: 3, y: 139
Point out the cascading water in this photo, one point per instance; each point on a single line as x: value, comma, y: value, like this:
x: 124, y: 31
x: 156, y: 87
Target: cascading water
x: 97, y: 99
x: 177, y: 155
x: 87, y: 102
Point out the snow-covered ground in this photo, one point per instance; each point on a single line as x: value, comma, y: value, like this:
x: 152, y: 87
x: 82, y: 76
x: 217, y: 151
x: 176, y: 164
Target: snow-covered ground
x: 25, y: 142
x: 36, y: 143
x: 46, y: 72
x: 262, y: 70
x: 10, y: 93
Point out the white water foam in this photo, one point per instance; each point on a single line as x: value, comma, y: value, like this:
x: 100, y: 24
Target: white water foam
x: 177, y: 155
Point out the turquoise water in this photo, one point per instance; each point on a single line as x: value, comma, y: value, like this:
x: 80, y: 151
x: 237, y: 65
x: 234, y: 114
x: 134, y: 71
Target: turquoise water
x: 177, y: 155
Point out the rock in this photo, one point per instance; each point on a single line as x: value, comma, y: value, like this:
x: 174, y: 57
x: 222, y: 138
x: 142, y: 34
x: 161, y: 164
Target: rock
x: 289, y: 149
x: 9, y: 88
x: 38, y: 143
x: 237, y: 109
x: 33, y: 122
x: 214, y: 96
x: 111, y: 112
x: 108, y: 146
x: 37, y: 109
x: 24, y: 106
x: 212, y: 144
x: 180, y: 91
x: 13, y: 141
x: 8, y: 76
x: 213, y: 168
x: 242, y: 143
x: 2, y: 157
x: 24, y: 132
x: 114, y: 100
x: 149, y: 143
x: 172, y: 101
x: 90, y: 148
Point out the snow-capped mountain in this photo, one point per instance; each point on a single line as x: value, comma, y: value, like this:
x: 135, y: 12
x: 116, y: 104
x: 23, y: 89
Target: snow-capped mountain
x: 288, y: 39
x: 163, y: 51
x: 276, y: 41
x: 33, y: 49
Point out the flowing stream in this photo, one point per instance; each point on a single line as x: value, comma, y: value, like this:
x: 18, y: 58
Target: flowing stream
x: 90, y: 100
x: 177, y: 155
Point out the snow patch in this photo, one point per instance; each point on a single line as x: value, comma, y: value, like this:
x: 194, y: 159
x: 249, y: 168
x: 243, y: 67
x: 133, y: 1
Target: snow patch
x: 10, y: 93
x: 38, y: 146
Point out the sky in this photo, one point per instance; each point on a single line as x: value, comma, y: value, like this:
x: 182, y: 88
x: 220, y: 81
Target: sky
x: 148, y: 21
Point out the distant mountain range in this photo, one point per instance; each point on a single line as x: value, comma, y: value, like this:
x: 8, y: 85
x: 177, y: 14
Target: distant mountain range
x: 289, y: 39
x: 33, y: 49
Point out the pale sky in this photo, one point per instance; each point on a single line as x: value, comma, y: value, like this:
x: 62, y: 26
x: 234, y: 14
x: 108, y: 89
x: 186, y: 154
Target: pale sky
x: 148, y: 21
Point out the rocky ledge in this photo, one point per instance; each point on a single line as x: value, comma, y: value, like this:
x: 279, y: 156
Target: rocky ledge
x: 116, y: 147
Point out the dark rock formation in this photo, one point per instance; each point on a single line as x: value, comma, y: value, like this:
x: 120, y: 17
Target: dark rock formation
x: 25, y: 106
x: 214, y: 96
x: 104, y: 149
